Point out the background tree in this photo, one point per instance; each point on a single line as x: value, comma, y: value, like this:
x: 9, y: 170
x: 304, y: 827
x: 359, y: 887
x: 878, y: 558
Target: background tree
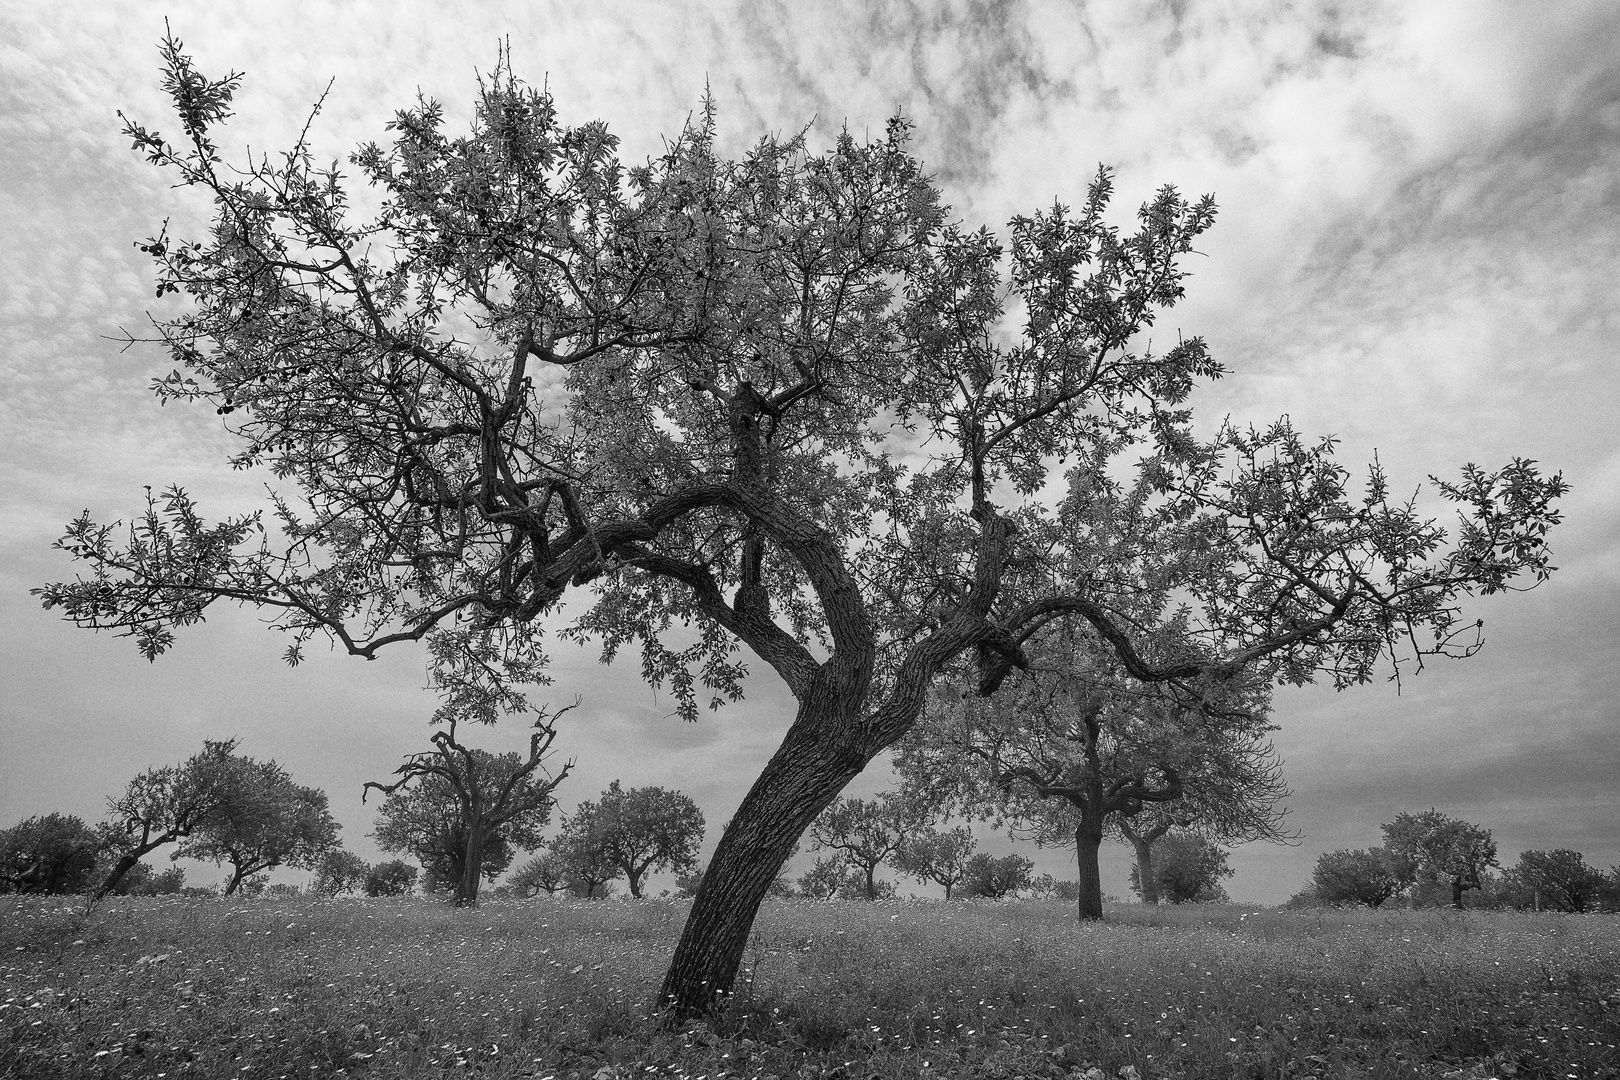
x: 339, y: 872
x: 646, y: 830
x: 940, y: 857
x: 1049, y: 888
x: 1561, y: 878
x: 1433, y: 845
x: 1189, y: 867
x: 743, y: 357
x: 1364, y: 877
x: 582, y: 846
x: 395, y: 877
x: 1073, y: 745
x: 143, y: 880
x: 1232, y: 792
x: 54, y: 853
x: 265, y: 822
x: 164, y: 805
x: 866, y: 834
x: 471, y: 807
x: 834, y: 877
x: 994, y: 878
x: 545, y: 872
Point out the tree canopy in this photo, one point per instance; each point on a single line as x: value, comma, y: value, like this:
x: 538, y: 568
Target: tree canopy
x: 166, y: 804
x: 1368, y: 876
x: 782, y: 399
x: 1074, y: 746
x: 1434, y: 845
x: 866, y: 833
x: 643, y: 830
x: 265, y: 821
x: 50, y: 853
x: 469, y: 808
x: 1187, y: 867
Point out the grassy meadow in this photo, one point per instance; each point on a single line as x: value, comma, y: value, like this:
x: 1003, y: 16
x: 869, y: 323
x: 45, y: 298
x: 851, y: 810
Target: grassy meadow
x: 303, y: 987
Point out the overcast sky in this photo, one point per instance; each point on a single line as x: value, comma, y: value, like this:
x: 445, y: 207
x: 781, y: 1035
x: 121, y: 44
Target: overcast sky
x: 1418, y: 249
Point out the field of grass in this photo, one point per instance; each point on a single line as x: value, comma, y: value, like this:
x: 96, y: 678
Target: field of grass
x: 189, y: 987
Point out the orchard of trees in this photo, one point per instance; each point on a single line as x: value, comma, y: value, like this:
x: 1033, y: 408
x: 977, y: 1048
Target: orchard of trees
x: 946, y: 486
x: 1431, y: 859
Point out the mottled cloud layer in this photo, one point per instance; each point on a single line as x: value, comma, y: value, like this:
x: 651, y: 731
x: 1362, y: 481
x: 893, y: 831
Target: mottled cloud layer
x: 1417, y: 250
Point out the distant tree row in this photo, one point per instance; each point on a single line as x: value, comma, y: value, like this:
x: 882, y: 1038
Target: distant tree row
x: 1430, y: 859
x: 626, y: 834
x: 218, y: 806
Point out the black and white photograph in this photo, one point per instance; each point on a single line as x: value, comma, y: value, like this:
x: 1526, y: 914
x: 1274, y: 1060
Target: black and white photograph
x: 743, y: 540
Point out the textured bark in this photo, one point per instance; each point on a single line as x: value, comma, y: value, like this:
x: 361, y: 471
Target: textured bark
x: 802, y: 778
x: 1144, y: 871
x: 471, y: 869
x: 1087, y: 843
x: 1456, y: 893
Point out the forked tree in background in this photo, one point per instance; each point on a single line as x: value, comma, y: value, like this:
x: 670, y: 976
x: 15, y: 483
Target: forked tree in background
x: 775, y: 399
x: 266, y: 821
x: 469, y: 809
x: 165, y: 805
x: 643, y: 830
x: 940, y: 857
x: 867, y: 833
x: 1434, y: 846
x: 1073, y: 746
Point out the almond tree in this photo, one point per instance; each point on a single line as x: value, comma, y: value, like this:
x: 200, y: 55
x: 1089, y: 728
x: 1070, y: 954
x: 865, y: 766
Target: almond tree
x: 470, y: 807
x: 1434, y: 845
x: 545, y: 872
x: 940, y: 857
x: 266, y: 821
x: 1191, y: 869
x: 166, y: 804
x: 1073, y: 747
x: 1367, y: 877
x: 1232, y: 795
x: 867, y: 834
x: 646, y: 830
x: 582, y: 846
x: 780, y: 399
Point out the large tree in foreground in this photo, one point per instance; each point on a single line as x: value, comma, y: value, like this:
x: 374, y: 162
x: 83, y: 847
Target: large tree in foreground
x: 779, y: 399
x: 463, y: 812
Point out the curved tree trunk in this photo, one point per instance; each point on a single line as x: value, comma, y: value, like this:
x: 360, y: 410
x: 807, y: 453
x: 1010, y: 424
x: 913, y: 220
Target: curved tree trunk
x: 1087, y: 843
x: 1148, y: 884
x: 238, y: 872
x: 802, y: 778
x: 120, y: 868
x: 1456, y: 893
